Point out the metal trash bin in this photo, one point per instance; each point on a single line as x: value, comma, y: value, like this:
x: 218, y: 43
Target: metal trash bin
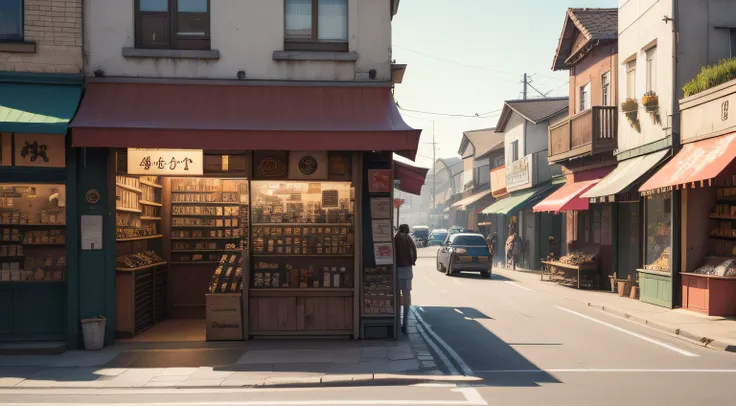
x: 93, y: 332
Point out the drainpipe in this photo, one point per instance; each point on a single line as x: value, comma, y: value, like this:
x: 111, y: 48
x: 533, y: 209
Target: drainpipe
x: 676, y: 194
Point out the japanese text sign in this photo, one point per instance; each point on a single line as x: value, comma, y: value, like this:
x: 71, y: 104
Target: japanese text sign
x: 145, y: 161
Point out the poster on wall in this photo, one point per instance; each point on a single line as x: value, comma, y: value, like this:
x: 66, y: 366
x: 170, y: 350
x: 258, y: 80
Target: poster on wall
x: 384, y: 253
x: 380, y: 208
x: 382, y: 230
x: 379, y: 180
x: 305, y: 165
x: 167, y: 162
x: 39, y: 150
x: 91, y: 228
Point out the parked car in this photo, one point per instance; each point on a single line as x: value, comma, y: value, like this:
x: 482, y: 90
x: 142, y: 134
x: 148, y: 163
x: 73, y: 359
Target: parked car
x: 465, y: 252
x: 437, y: 237
x: 420, y: 234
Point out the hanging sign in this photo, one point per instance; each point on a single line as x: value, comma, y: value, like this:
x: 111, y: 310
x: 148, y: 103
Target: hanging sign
x: 171, y: 162
x: 39, y: 150
x: 379, y: 181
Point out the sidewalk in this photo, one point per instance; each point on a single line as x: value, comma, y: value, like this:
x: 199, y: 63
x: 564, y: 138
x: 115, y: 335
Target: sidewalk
x: 713, y: 332
x: 236, y: 364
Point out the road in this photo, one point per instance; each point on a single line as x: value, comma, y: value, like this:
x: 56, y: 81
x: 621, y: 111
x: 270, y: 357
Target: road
x: 528, y: 345
x: 525, y: 347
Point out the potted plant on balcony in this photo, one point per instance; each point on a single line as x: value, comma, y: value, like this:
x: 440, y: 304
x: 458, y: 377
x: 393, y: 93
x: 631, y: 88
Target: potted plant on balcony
x: 630, y: 108
x: 650, y: 100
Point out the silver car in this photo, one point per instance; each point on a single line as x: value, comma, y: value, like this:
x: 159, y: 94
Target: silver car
x: 465, y: 252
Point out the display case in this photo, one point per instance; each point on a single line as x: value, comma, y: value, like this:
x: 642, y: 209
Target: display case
x: 658, y: 233
x: 32, y: 233
x: 303, y: 275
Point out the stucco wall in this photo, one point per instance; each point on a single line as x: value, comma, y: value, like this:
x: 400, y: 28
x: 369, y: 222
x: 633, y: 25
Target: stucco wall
x: 56, y: 28
x: 590, y: 70
x: 245, y: 33
x: 514, y: 132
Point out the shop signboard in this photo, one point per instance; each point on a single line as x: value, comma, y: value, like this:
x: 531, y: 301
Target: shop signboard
x: 519, y: 174
x: 166, y: 162
x: 39, y: 150
x: 308, y: 165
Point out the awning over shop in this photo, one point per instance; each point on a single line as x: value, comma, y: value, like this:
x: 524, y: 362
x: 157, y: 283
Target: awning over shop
x: 518, y: 200
x: 625, y: 175
x: 567, y: 198
x: 242, y: 117
x: 696, y: 162
x: 411, y: 178
x: 462, y: 204
x: 33, y: 104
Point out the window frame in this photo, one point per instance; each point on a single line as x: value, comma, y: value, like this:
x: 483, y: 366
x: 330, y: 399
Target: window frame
x: 606, y: 89
x: 174, y: 41
x: 631, y: 79
x: 514, y: 151
x: 314, y: 44
x: 584, y: 94
x: 651, y: 69
x: 21, y: 35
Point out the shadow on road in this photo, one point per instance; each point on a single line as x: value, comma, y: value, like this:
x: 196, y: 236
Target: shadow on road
x: 488, y: 356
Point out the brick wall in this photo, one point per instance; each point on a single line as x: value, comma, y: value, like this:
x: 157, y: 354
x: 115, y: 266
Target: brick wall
x: 56, y: 28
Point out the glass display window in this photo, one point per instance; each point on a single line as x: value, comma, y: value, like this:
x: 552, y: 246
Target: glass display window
x: 32, y: 232
x: 658, y: 232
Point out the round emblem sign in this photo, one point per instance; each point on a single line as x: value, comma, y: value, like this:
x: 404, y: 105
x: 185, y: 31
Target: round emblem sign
x: 308, y: 165
x: 92, y: 196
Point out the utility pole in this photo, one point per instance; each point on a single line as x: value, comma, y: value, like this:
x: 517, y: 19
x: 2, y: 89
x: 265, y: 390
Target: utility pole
x: 432, y: 203
x: 525, y: 84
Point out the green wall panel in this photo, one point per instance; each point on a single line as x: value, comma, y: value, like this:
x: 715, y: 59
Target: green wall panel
x: 655, y: 289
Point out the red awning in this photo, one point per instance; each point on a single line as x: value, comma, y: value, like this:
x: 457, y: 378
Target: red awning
x: 411, y: 177
x: 567, y: 198
x: 696, y: 162
x: 242, y: 117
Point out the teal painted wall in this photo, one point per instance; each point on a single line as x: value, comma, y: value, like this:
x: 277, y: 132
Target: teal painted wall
x: 97, y: 268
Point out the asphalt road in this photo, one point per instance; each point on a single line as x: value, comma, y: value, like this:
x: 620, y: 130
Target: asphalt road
x: 527, y: 344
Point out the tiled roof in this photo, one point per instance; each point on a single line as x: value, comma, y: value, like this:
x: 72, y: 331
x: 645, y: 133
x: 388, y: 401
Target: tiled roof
x: 596, y: 24
x: 534, y: 110
x: 484, y: 141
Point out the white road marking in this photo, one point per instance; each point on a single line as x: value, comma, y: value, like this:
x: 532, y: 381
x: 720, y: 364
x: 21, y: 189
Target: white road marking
x: 604, y: 370
x: 516, y: 285
x: 443, y: 358
x: 459, y: 361
x: 429, y: 280
x: 458, y: 310
x: 472, y: 396
x: 631, y: 333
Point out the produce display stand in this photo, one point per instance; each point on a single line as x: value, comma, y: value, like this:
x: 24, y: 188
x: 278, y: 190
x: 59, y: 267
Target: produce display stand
x: 709, y: 294
x: 579, y: 270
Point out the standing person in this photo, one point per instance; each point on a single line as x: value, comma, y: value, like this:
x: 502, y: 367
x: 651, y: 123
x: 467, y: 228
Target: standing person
x: 406, y: 258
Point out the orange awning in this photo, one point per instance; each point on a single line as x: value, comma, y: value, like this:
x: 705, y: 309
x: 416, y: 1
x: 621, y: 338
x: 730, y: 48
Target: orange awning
x: 567, y: 198
x: 462, y: 204
x: 696, y: 162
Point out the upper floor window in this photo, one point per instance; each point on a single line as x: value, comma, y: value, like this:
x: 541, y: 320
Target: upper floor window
x: 316, y: 25
x: 652, y: 69
x: 631, y: 80
x: 11, y: 19
x: 585, y: 97
x: 172, y: 24
x: 498, y: 161
x: 514, y: 151
x: 606, y: 89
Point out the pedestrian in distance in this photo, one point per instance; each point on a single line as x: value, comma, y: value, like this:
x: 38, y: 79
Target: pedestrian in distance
x: 406, y: 258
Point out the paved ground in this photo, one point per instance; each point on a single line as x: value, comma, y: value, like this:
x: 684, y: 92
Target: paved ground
x: 507, y: 340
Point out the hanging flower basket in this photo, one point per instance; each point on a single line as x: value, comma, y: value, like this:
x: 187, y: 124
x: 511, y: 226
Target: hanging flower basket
x: 630, y: 108
x: 650, y: 100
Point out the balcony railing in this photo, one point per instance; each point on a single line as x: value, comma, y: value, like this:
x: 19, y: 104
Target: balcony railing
x: 589, y: 132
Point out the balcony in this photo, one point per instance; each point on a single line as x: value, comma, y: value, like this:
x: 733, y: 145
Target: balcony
x: 589, y: 132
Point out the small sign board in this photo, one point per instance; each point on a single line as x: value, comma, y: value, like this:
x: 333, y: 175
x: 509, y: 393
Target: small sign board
x: 379, y: 181
x: 166, y: 162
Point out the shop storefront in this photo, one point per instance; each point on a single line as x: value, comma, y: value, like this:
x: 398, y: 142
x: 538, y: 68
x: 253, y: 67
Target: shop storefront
x: 249, y: 219
x: 37, y: 216
x: 703, y: 175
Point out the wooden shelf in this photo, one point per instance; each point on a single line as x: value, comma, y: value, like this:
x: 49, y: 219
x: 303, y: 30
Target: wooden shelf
x: 149, y: 237
x: 301, y: 255
x: 302, y: 289
x: 33, y: 225
x: 204, y: 238
x: 149, y: 203
x: 207, y: 215
x: 223, y: 250
x: 141, y: 268
x: 127, y: 210
x: 225, y: 203
x: 717, y: 217
x: 48, y: 244
x: 195, y: 191
x: 303, y: 224
x: 150, y: 218
x: 151, y: 184
x: 215, y: 227
x: 126, y: 187
x: 722, y: 237
x: 194, y: 262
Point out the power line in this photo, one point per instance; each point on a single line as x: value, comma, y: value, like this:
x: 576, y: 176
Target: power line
x: 476, y: 115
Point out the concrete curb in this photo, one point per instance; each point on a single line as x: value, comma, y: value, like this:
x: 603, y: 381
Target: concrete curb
x: 676, y: 332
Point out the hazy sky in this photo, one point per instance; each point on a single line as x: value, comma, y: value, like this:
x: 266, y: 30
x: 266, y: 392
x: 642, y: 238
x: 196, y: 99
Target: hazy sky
x: 466, y: 57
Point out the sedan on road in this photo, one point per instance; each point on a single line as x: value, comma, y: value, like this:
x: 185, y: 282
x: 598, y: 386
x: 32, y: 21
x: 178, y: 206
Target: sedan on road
x: 437, y: 237
x: 465, y: 252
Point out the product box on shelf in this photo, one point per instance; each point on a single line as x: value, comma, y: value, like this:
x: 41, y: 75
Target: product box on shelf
x: 224, y: 317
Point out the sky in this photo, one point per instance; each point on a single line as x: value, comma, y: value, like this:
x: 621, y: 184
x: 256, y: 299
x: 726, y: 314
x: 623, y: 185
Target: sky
x: 465, y: 57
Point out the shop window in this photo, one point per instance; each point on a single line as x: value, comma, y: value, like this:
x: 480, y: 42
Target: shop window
x: 33, y: 233
x: 11, y: 20
x: 173, y: 24
x: 514, y: 151
x: 594, y: 225
x: 316, y: 25
x: 658, y: 232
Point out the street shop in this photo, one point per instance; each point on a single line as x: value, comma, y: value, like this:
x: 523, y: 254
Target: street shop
x: 38, y: 282
x: 704, y: 175
x: 268, y: 214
